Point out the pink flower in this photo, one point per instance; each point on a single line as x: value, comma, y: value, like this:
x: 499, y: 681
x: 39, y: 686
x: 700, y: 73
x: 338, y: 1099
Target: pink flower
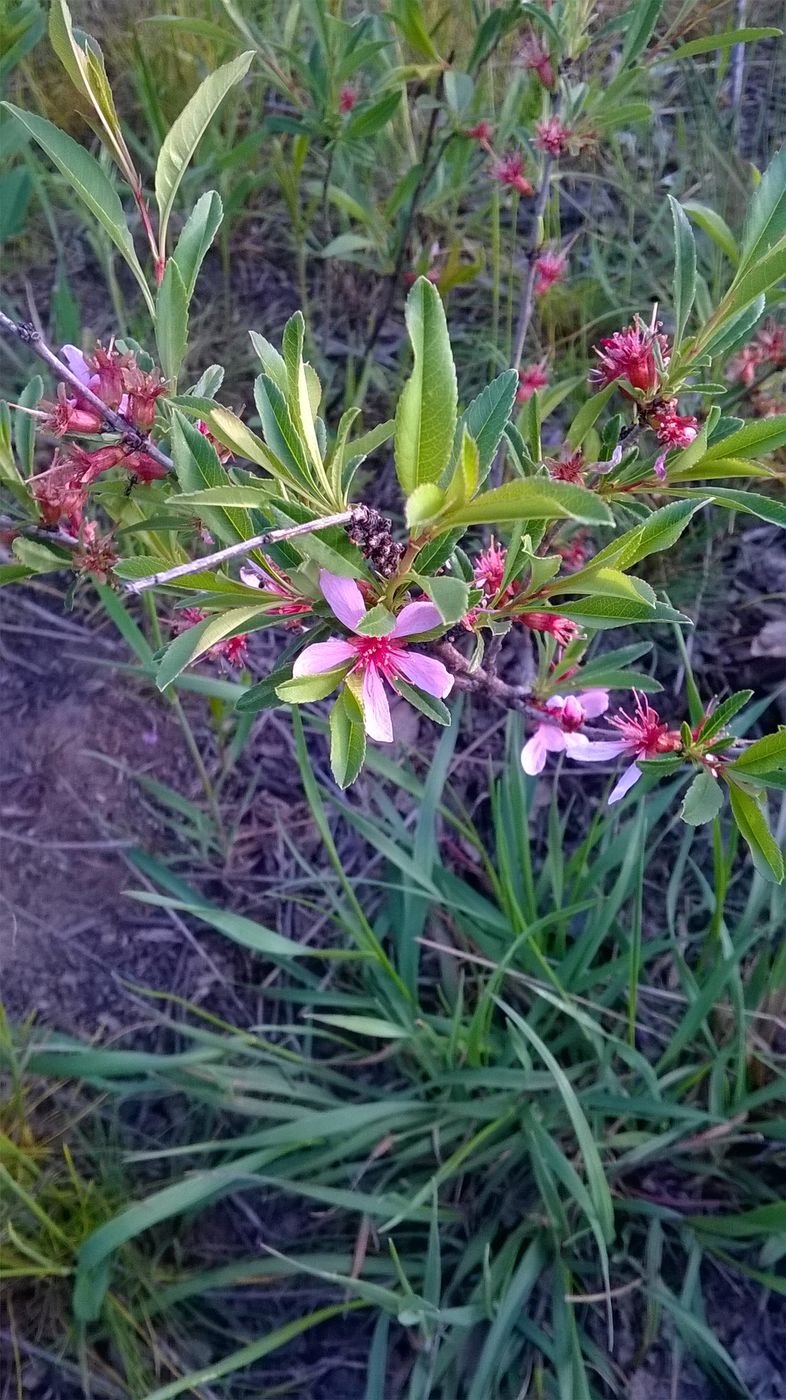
x: 560, y: 734
x: 629, y: 354
x: 490, y: 568
x: 673, y: 429
x: 549, y: 268
x: 375, y: 660
x: 534, y: 55
x: 531, y: 378
x: 643, y: 735
x: 569, y: 469
x: 347, y: 99
x: 559, y: 627
x: 510, y: 171
x: 552, y: 136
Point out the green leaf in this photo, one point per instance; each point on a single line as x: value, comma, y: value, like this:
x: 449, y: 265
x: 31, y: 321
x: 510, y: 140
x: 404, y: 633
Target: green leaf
x: 727, y: 40
x: 37, y: 557
x: 724, y: 713
x: 749, y: 816
x: 25, y: 428
x: 641, y: 21
x: 758, y: 436
x: 587, y: 415
x: 262, y: 696
x: 486, y: 417
x: 763, y: 756
x: 198, y: 468
x: 602, y: 612
x: 765, y: 223
x: 368, y: 121
x: 377, y: 622
x: 89, y: 182
x: 187, y: 131
x: 172, y: 322
x: 756, y: 277
x: 428, y: 705
x: 449, y: 595
x: 424, y: 504
x: 703, y: 800
x: 603, y: 582
x: 536, y: 498
x: 241, y: 497
x: 659, y: 531
x: 198, y: 639
x: 426, y: 413
x: 347, y: 739
x: 715, y: 227
x: 684, y: 283
x: 198, y: 233
x: 408, y: 16
x: 299, y: 399
x: 303, y: 690
x: 279, y: 430
x: 774, y: 512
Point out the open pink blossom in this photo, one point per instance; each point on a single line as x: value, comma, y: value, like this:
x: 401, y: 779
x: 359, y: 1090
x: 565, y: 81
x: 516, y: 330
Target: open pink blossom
x: 376, y: 660
x: 510, y: 171
x: 531, y: 378
x: 552, y: 136
x: 630, y: 354
x: 674, y: 429
x: 642, y: 735
x: 560, y: 733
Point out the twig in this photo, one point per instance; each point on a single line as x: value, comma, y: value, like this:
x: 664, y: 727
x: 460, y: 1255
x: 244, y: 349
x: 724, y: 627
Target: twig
x: 38, y: 532
x: 234, y: 551
x: 140, y: 442
x: 527, y: 303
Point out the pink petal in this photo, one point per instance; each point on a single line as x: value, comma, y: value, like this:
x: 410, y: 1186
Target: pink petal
x: 343, y: 597
x: 629, y: 777
x: 424, y: 671
x: 555, y: 739
x: 416, y: 617
x: 533, y: 754
x: 77, y: 363
x: 594, y: 702
x: 323, y: 656
x: 376, y: 710
x: 596, y: 750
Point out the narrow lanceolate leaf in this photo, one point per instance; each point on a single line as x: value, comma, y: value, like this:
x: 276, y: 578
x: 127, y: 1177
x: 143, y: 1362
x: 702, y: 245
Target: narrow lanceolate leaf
x: 727, y: 40
x: 766, y: 220
x: 703, y: 800
x: 187, y: 131
x: 198, y: 468
x: 198, y: 233
x: 172, y: 322
x: 603, y: 582
x: 426, y: 414
x: 198, y: 639
x: 754, y: 439
x: 537, y: 498
x: 299, y: 399
x: 590, y: 410
x: 659, y: 531
x: 715, y: 227
x: 642, y: 19
x: 347, y: 739
x: 88, y: 181
x: 752, y: 823
x: 684, y: 284
x: 486, y: 418
x: 767, y: 755
x: 429, y: 705
x: 774, y: 512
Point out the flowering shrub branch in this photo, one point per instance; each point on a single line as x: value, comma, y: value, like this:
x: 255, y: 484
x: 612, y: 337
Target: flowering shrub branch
x: 376, y: 609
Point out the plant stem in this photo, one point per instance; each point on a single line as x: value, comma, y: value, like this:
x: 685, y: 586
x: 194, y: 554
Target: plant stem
x: 28, y: 335
x: 235, y: 551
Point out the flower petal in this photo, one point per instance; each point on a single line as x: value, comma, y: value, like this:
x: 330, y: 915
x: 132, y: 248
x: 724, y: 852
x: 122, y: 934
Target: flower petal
x: 424, y: 671
x: 77, y: 363
x: 597, y: 750
x: 594, y: 702
x: 323, y: 656
x: 343, y: 597
x: 416, y: 617
x: 376, y: 710
x: 629, y: 777
x: 533, y: 754
x: 553, y: 738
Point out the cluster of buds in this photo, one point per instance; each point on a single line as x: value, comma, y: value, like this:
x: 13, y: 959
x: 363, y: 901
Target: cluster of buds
x: 373, y: 535
x: 768, y: 347
x: 119, y: 382
x: 482, y: 132
x: 570, y: 468
x: 535, y: 56
x: 489, y: 574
